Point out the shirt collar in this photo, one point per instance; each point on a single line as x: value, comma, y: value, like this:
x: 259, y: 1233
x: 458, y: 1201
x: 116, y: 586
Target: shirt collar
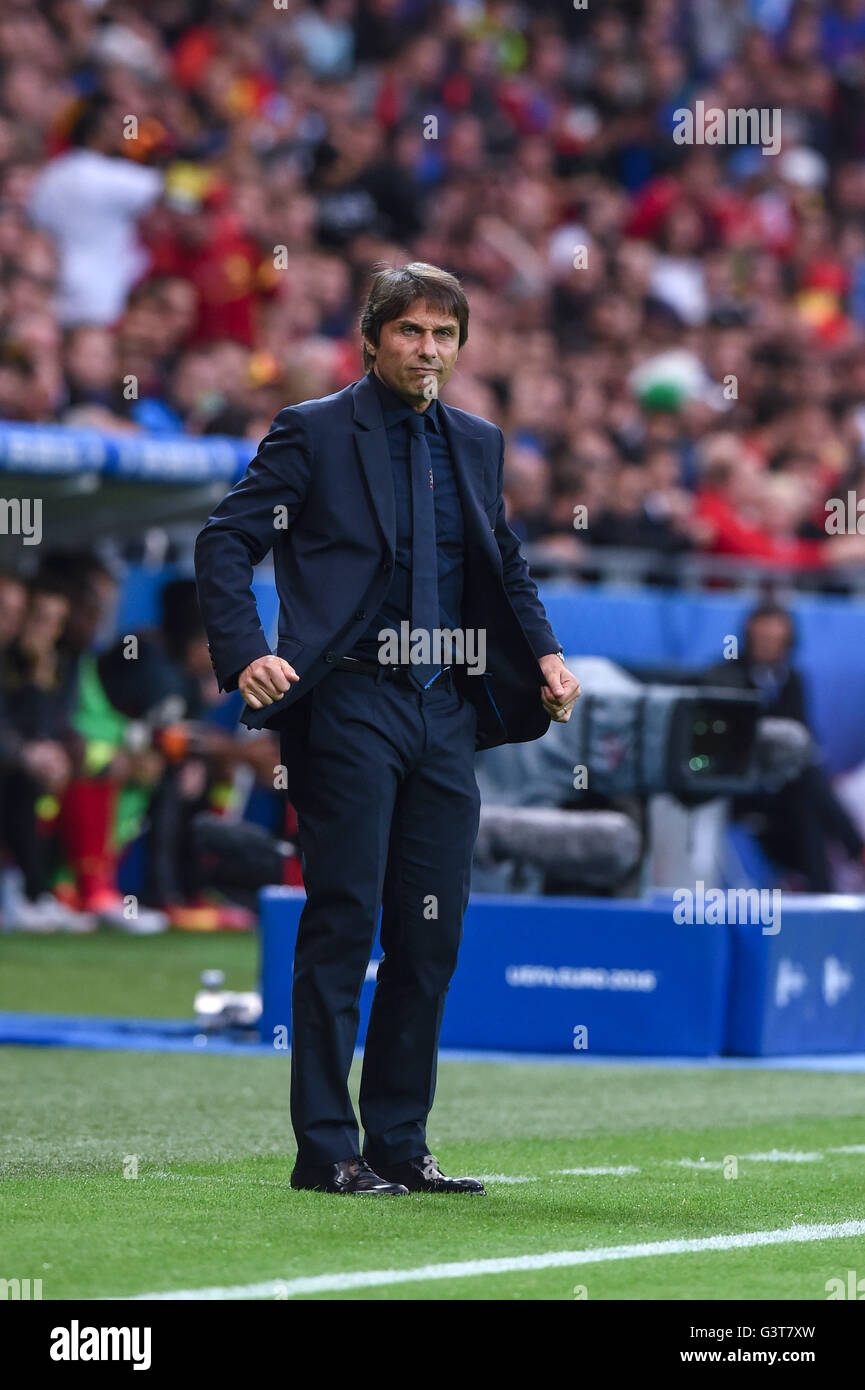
x: 394, y: 408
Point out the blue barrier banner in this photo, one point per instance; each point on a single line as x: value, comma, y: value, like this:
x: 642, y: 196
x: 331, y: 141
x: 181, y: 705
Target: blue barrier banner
x: 157, y: 458
x: 279, y: 912
x: 801, y: 990
x: 535, y: 972
x: 566, y: 975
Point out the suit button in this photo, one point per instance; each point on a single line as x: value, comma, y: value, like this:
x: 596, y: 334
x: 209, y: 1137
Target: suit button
x: 387, y: 566
x: 360, y: 614
x: 330, y: 657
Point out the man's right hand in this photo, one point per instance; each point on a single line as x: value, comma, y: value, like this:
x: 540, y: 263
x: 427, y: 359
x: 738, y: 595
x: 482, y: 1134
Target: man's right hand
x: 266, y: 679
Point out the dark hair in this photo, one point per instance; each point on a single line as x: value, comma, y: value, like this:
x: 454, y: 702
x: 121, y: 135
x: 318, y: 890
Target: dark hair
x: 72, y: 572
x: 784, y: 457
x: 180, y: 617
x: 88, y: 119
x: 394, y: 288
x: 137, y: 688
x: 46, y: 583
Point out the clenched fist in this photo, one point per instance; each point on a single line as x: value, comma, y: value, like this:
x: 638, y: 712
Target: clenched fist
x: 562, y: 689
x: 266, y: 679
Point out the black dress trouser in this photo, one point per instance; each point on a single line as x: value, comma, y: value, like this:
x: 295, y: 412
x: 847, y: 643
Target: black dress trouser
x: 382, y: 778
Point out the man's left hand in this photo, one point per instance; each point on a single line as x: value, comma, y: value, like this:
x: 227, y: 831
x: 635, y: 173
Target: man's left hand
x: 562, y: 688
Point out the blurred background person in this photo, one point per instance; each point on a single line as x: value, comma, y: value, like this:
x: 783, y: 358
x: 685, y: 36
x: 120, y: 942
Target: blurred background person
x: 798, y: 824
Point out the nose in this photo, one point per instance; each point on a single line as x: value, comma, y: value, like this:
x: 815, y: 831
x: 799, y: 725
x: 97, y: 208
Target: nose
x: 428, y: 346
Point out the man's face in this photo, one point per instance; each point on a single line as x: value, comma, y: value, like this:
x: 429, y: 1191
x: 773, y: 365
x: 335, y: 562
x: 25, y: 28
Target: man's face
x: 45, y: 618
x: 90, y: 612
x: 417, y: 348
x: 770, y: 639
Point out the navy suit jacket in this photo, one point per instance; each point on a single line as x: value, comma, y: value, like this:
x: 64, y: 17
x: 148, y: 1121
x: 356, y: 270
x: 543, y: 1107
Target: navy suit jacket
x: 319, y: 492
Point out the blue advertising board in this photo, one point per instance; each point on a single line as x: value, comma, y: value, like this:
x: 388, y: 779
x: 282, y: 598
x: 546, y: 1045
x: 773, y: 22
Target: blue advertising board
x: 800, y: 990
x: 623, y: 978
x: 550, y: 975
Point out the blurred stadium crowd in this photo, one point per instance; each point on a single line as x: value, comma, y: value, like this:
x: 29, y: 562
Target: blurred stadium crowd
x: 100, y: 752
x: 192, y: 195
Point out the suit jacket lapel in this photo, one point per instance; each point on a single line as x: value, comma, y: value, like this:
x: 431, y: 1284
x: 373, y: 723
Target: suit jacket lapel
x: 467, y: 453
x: 371, y: 440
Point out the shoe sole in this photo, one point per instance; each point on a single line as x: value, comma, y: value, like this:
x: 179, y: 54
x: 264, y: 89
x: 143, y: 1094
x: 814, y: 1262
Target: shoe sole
x: 425, y: 1192
x: 327, y: 1193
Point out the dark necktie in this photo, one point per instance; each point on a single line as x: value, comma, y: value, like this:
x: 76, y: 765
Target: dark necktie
x: 424, y: 556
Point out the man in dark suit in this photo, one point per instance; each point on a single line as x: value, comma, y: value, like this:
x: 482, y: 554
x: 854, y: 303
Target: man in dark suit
x: 797, y: 823
x: 384, y: 510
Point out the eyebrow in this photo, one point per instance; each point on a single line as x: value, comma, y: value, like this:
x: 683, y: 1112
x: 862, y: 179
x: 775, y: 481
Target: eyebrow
x: 412, y: 323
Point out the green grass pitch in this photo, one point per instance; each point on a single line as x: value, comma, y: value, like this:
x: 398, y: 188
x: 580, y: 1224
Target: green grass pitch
x: 210, y: 1142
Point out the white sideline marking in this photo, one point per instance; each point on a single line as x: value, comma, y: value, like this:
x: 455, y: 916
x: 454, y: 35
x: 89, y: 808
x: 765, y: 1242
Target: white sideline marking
x: 777, y: 1156
x: 465, y: 1269
x: 773, y: 1156
x: 625, y: 1170
x: 597, y: 1172
x: 694, y: 1162
x: 506, y: 1177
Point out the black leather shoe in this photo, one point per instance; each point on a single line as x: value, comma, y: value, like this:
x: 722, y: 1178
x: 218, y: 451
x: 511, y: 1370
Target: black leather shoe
x: 351, y: 1177
x: 422, y: 1174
